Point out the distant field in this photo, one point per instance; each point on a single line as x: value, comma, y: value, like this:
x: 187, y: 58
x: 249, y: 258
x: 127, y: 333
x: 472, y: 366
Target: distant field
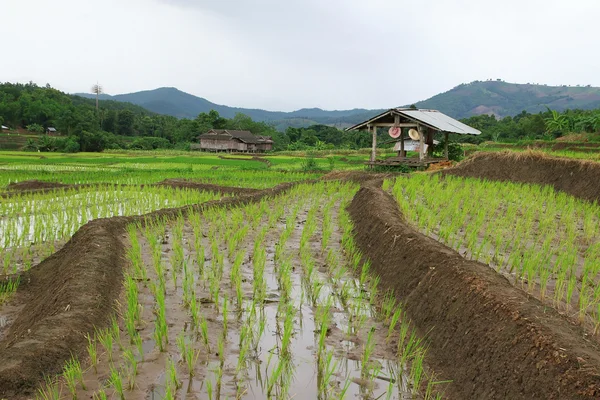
x: 575, y: 150
x: 14, y: 140
x: 141, y: 167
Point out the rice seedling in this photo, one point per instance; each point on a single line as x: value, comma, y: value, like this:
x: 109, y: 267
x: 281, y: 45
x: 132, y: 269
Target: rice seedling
x: 131, y: 368
x: 116, y: 382
x: 49, y: 390
x: 160, y: 324
x: 209, y: 389
x: 105, y: 337
x: 8, y: 288
x: 73, y: 374
x: 92, y: 352
x: 172, y: 379
x: 190, y: 356
x: 100, y: 395
x: 204, y: 333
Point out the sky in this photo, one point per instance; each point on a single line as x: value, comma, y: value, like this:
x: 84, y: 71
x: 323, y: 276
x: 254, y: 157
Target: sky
x: 291, y: 54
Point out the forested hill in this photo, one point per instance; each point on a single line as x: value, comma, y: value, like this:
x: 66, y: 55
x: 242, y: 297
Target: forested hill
x: 509, y: 99
x: 172, y: 101
x: 490, y: 97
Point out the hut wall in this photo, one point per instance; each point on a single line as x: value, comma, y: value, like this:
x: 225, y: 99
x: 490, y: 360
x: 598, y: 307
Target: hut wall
x: 222, y: 145
x: 264, y: 146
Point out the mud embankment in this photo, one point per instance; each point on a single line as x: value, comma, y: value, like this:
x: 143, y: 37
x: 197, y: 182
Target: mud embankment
x: 70, y: 293
x: 35, y: 186
x: 490, y: 338
x: 575, y: 177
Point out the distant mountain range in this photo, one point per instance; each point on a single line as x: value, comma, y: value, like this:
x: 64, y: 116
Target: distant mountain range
x: 480, y: 97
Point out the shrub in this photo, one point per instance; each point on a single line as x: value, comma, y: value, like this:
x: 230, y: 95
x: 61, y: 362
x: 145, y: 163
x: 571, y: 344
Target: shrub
x: 35, y: 128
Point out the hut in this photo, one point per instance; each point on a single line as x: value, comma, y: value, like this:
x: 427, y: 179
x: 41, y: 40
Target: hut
x: 50, y: 130
x: 421, y: 125
x: 233, y: 141
x: 4, y: 127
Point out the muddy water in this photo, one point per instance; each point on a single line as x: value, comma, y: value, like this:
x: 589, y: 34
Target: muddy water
x: 218, y: 372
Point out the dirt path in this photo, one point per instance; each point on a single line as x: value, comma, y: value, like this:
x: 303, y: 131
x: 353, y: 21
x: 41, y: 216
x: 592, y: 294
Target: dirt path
x: 491, y: 339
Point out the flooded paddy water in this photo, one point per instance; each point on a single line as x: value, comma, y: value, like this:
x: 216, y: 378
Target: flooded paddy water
x: 269, y: 300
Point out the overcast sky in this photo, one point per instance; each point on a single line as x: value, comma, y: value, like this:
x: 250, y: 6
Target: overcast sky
x: 289, y: 54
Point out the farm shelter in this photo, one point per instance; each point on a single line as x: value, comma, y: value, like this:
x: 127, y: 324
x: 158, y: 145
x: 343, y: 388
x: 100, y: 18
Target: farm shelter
x: 421, y: 125
x: 50, y: 130
x: 4, y: 128
x: 232, y: 140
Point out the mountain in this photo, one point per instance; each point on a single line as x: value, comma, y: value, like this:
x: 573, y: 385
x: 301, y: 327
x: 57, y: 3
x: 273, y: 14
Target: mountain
x: 171, y: 101
x: 479, y: 97
x: 508, y: 99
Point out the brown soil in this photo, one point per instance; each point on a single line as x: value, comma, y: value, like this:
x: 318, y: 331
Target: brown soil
x: 71, y: 292
x: 575, y: 177
x: 491, y: 339
x: 35, y: 185
x: 183, y: 183
x: 65, y: 296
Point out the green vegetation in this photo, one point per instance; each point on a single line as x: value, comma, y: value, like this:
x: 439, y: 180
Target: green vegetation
x: 546, y: 125
x: 120, y: 125
x: 136, y: 168
x: 289, y: 265
x: 547, y: 242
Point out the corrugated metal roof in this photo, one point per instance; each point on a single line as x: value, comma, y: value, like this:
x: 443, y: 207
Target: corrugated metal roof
x: 439, y: 120
x: 431, y: 118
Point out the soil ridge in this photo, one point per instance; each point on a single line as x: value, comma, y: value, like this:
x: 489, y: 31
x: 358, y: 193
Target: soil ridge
x: 578, y: 178
x: 491, y: 339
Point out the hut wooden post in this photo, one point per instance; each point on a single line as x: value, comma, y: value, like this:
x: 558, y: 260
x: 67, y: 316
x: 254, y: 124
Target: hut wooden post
x: 373, y: 149
x: 429, y: 142
x: 402, y: 152
x: 421, y: 144
x: 446, y: 145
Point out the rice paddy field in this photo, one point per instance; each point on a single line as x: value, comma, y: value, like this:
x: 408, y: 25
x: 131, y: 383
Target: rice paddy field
x: 170, y: 275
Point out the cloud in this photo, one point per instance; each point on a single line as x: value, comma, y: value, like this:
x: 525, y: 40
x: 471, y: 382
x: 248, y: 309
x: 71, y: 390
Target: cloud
x: 291, y: 54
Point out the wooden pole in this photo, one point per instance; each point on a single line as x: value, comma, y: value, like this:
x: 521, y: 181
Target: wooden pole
x: 373, y: 149
x: 446, y: 145
x: 421, y: 144
x: 430, y: 142
x: 402, y: 152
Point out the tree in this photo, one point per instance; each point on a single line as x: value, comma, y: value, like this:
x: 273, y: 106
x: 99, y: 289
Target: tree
x: 557, y: 122
x: 212, y: 119
x: 125, y: 123
x: 109, y: 122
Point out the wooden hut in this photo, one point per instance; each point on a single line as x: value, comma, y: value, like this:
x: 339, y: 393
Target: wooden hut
x: 233, y: 141
x: 422, y: 124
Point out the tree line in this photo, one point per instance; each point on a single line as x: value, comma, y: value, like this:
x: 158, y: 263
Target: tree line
x: 118, y: 125
x: 546, y: 125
